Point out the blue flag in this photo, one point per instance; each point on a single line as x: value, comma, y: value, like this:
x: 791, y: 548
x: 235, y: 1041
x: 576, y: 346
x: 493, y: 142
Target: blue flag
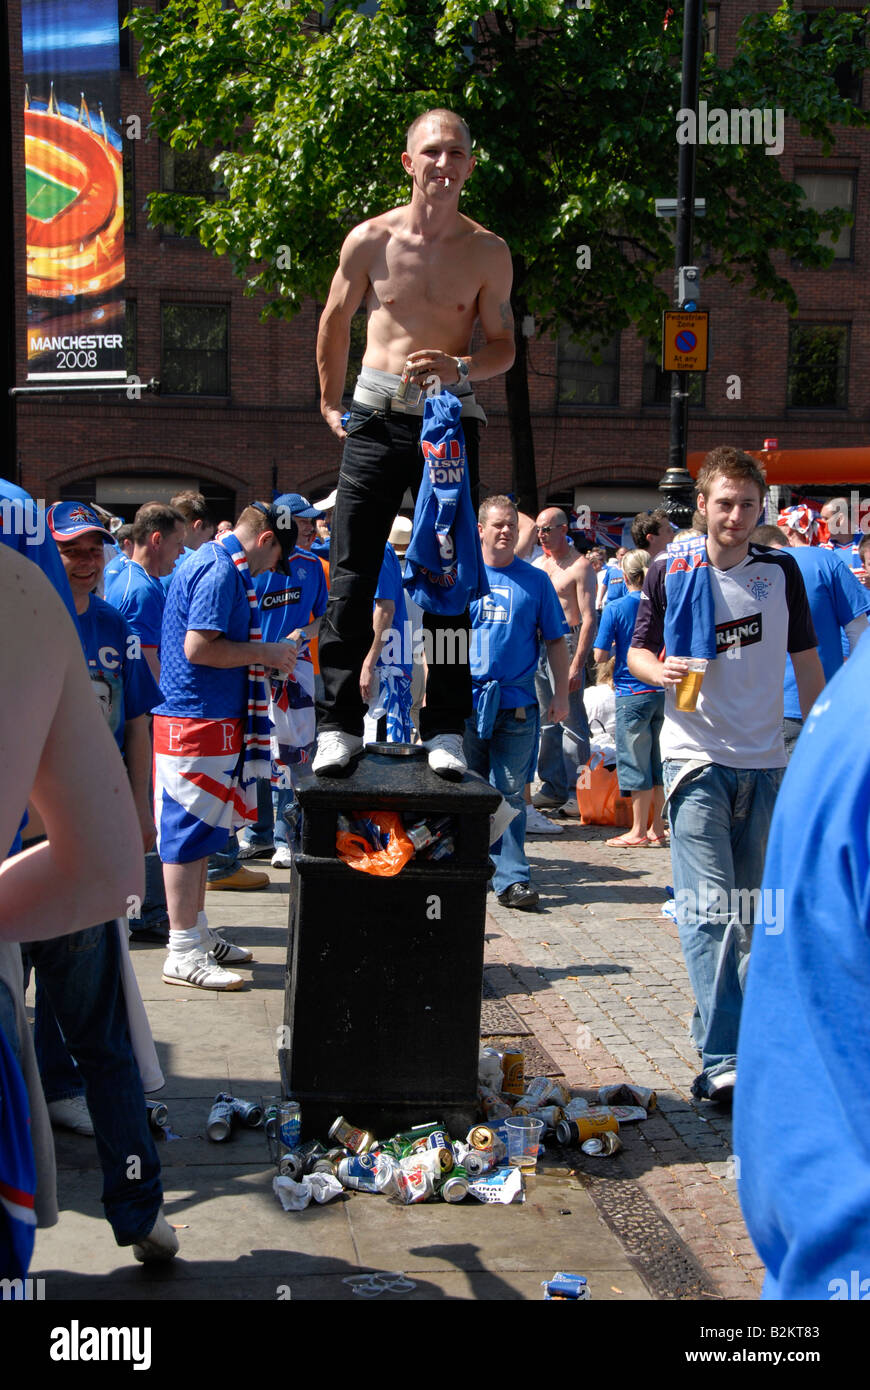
x: 445, y: 568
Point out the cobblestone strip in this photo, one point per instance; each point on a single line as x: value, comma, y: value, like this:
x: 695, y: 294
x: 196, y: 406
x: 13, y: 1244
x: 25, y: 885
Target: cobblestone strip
x: 598, y: 976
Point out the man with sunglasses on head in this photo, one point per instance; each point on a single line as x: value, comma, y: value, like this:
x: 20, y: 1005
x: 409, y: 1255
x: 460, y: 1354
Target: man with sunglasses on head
x: 564, y: 747
x: 209, y: 640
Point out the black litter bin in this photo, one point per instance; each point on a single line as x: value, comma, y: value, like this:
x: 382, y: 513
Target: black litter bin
x: 384, y: 975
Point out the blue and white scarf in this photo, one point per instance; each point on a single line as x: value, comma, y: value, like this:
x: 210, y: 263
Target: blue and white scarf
x: 690, y: 618
x: 257, y: 760
x: 444, y: 569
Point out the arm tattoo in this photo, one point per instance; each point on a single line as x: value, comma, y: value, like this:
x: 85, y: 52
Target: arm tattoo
x: 507, y: 317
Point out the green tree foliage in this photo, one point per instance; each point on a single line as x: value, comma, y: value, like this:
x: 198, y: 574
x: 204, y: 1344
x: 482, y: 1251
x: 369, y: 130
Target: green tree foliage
x: 573, y: 112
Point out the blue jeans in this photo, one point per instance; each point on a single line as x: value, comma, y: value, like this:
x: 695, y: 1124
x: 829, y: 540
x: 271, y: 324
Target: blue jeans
x: 224, y: 864
x: 81, y: 975
x: 276, y: 812
x: 720, y: 819
x: 564, y: 747
x: 507, y: 759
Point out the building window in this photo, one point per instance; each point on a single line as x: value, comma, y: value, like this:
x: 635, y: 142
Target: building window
x: 187, y: 171
x: 194, y: 358
x: 847, y: 78
x: 823, y: 191
x: 130, y: 346
x: 656, y: 384
x: 710, y: 29
x: 818, y: 366
x: 583, y: 381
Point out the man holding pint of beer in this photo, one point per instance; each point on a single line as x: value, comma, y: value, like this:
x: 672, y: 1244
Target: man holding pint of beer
x: 716, y: 618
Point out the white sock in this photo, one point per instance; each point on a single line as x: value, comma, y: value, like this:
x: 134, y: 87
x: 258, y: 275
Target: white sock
x: 202, y: 921
x: 182, y: 942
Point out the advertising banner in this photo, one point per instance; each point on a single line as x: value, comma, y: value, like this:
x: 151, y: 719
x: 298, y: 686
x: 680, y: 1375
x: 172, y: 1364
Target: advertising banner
x: 75, y: 190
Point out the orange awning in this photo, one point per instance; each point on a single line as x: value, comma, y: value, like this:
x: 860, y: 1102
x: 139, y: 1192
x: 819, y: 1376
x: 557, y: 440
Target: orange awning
x: 829, y: 467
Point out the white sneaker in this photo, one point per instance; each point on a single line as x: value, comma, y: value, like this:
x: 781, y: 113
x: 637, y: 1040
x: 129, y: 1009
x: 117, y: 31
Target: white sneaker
x: 334, y: 751
x: 446, y: 756
x: 71, y: 1113
x: 282, y: 859
x: 199, y: 969
x: 161, y: 1242
x: 224, y: 952
x: 538, y: 824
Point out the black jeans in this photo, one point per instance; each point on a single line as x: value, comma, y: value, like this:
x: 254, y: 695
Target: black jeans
x: 382, y: 458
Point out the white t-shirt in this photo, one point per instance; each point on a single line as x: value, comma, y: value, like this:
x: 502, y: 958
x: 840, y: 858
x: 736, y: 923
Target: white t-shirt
x: 761, y: 612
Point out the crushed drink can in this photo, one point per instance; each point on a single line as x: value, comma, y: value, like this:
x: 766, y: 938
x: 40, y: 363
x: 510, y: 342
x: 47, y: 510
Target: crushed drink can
x: 480, y: 1137
x: 291, y: 1164
x: 357, y: 1140
x: 366, y: 1172
x: 415, y: 1178
x: 576, y: 1106
x: 492, y: 1105
x: 549, y: 1114
x: 628, y: 1094
x: 601, y: 1144
x: 158, y: 1115
x: 454, y: 1188
x: 568, y: 1287
x: 220, y: 1119
x: 249, y: 1112
x: 476, y: 1162
x: 311, y: 1152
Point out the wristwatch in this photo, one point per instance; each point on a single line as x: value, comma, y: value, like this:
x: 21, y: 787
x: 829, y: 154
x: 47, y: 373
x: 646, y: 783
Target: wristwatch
x: 462, y: 368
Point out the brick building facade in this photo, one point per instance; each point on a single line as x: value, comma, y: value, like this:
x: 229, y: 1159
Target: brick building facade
x: 600, y: 432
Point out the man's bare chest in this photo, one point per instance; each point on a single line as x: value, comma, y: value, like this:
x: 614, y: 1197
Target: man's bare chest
x: 437, y: 277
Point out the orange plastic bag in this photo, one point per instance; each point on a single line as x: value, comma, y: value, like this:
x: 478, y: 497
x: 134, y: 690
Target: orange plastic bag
x: 598, y: 799
x: 356, y: 851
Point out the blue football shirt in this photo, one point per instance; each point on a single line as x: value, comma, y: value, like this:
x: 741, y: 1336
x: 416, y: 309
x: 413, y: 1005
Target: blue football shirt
x: 805, y: 1029
x: 507, y: 626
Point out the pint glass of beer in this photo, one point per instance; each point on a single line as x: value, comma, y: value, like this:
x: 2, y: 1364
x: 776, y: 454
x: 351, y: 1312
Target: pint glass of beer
x: 689, y: 688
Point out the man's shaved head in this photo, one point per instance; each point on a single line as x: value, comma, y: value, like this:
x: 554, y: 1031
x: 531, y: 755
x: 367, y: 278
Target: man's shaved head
x: 439, y: 113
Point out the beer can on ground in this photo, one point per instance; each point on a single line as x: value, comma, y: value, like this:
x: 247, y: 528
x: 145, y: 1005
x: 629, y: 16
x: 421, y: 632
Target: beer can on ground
x: 357, y: 1140
x: 476, y: 1162
x: 480, y: 1137
x: 311, y: 1152
x: 591, y: 1123
x: 454, y: 1188
x: 414, y: 1183
x: 288, y: 1126
x: 366, y: 1172
x: 601, y: 1144
x: 550, y: 1114
x: 158, y: 1115
x: 220, y: 1119
x: 576, y: 1106
x: 512, y: 1073
x: 291, y: 1164
x: 249, y: 1112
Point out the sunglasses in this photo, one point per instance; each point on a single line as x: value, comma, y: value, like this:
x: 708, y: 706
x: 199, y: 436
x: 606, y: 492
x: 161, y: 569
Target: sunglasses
x: 557, y: 526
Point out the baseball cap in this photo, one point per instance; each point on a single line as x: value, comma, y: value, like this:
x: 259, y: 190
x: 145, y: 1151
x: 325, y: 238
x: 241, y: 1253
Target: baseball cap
x: 297, y: 505
x: 285, y: 535
x: 66, y: 520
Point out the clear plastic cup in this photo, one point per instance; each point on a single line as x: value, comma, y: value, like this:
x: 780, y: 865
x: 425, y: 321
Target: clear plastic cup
x: 523, y: 1140
x: 689, y: 688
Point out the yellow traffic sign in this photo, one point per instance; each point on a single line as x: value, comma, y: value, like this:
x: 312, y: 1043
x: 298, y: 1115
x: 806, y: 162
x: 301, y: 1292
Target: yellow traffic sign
x: 684, y: 340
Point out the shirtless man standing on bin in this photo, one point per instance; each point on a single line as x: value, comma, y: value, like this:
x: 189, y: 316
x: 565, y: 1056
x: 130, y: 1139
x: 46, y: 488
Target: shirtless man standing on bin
x: 427, y: 274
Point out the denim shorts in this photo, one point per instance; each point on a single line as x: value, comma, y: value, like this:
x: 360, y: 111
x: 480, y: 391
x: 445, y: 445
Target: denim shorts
x: 639, y: 721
